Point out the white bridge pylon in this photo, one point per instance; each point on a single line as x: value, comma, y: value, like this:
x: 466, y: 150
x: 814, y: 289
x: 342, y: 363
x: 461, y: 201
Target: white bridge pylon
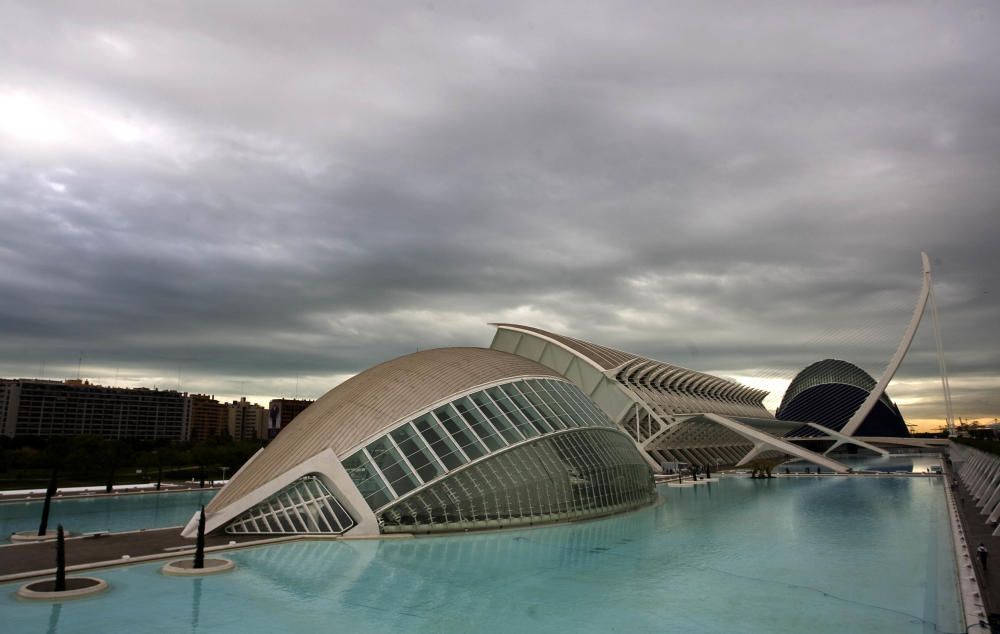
x: 926, y: 293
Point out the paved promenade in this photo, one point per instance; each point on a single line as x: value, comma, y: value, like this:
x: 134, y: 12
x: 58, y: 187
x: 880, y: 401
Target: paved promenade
x: 40, y: 558
x: 977, y: 532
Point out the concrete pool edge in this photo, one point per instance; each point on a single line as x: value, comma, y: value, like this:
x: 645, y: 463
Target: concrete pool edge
x: 969, y: 600
x: 176, y: 552
x: 973, y: 609
x: 6, y: 498
x: 142, y: 559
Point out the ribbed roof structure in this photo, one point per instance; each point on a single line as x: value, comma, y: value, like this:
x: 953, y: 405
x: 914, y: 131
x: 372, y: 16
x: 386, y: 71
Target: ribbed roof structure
x: 827, y: 372
x: 606, y: 358
x: 636, y: 369
x: 829, y: 392
x: 373, y: 401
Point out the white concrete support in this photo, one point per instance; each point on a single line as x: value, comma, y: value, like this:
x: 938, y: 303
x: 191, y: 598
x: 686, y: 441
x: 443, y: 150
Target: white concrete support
x: 994, y: 515
x: 977, y: 475
x: 991, y: 503
x: 846, y: 440
x: 969, y: 465
x: 988, y: 482
x: 328, y: 466
x: 866, y: 407
x: 758, y: 449
x: 987, y: 488
x: 980, y: 472
x: 973, y: 606
x: 771, y: 442
x: 975, y: 469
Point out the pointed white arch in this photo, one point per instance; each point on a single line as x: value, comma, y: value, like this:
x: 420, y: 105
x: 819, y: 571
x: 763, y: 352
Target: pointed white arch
x: 904, y: 346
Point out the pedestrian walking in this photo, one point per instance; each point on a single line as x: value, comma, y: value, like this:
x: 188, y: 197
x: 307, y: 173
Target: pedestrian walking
x: 984, y: 554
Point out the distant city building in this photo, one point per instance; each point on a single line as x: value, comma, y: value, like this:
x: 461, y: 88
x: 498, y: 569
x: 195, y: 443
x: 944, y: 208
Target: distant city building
x: 281, y: 412
x: 247, y: 421
x: 36, y: 407
x: 208, y: 417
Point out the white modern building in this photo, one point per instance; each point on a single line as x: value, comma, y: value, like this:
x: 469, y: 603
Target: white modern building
x: 440, y: 440
x: 673, y: 414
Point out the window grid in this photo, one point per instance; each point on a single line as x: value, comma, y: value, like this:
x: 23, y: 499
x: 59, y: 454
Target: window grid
x: 494, y: 414
x: 527, y: 409
x: 305, y: 506
x: 515, y: 415
x: 548, y: 415
x: 468, y: 429
x: 408, y: 433
x: 480, y: 425
x: 547, y: 397
x: 578, y: 474
x: 455, y: 427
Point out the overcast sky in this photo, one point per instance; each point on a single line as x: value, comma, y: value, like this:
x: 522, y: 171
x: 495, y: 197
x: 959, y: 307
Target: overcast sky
x: 264, y: 198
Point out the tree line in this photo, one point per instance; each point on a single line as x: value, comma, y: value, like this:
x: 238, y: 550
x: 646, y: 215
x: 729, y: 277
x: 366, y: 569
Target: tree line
x: 27, y: 462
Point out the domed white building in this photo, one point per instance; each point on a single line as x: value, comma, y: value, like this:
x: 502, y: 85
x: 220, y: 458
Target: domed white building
x: 449, y: 439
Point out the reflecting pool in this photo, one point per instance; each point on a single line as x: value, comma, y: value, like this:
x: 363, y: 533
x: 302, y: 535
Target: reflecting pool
x: 106, y: 513
x: 893, y: 463
x: 834, y: 554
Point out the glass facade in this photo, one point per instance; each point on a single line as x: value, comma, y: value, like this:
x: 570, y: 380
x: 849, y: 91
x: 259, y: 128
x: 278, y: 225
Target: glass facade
x: 531, y: 450
x: 303, y: 507
x: 465, y: 430
x: 568, y: 475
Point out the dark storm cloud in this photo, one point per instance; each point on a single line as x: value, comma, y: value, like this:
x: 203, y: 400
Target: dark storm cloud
x: 234, y: 192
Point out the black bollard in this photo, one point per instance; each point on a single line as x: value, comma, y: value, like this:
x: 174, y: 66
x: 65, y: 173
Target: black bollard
x: 199, y: 549
x: 43, y: 526
x: 60, y: 561
x: 111, y: 478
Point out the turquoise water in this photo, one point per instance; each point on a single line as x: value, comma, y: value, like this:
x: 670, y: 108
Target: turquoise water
x: 106, y: 513
x: 893, y: 463
x: 836, y: 554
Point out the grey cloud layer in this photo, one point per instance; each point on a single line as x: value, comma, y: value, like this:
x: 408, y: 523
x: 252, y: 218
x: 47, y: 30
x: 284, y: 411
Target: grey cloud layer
x: 312, y: 191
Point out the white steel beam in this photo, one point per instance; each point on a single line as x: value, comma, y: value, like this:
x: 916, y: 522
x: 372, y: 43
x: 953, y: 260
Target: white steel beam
x: 842, y: 439
x: 904, y: 345
x: 762, y: 438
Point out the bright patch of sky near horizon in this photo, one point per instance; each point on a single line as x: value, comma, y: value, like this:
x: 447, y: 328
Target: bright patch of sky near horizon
x: 239, y: 199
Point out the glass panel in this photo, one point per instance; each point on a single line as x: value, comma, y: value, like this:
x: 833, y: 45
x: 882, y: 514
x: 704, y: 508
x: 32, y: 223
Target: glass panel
x: 391, y: 464
x: 342, y: 516
x: 367, y: 480
x: 508, y: 407
x: 491, y: 407
x: 594, y: 415
x: 578, y: 417
x: 580, y: 474
x: 440, y: 443
x: 460, y: 432
x: 547, y: 415
x: 526, y: 408
x: 477, y: 421
x: 329, y: 518
x: 417, y: 453
x: 557, y: 401
x: 286, y: 525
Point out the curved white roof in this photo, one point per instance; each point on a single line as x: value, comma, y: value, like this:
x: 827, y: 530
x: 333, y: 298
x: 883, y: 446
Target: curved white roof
x: 373, y: 401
